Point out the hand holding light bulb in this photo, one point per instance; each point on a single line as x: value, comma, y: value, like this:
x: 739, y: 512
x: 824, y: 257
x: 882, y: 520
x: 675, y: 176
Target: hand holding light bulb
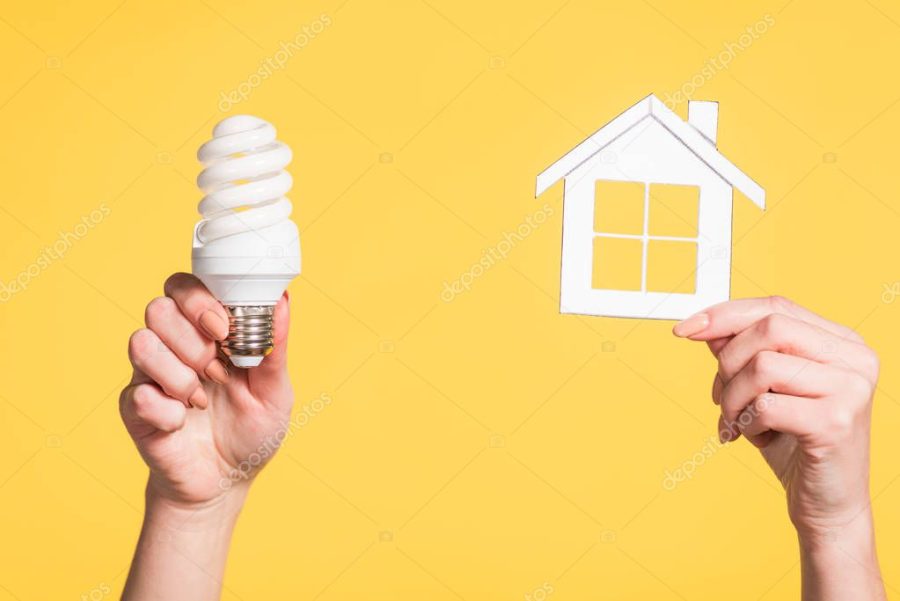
x: 194, y: 421
x: 203, y: 428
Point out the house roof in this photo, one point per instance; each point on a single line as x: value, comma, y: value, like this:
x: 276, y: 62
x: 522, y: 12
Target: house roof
x: 654, y: 108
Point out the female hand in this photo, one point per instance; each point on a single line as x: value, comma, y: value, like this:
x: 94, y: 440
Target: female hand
x: 800, y: 388
x: 204, y: 430
x: 196, y: 420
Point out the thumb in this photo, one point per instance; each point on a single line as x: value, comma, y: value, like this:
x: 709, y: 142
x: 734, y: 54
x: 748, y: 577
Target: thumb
x: 274, y: 367
x: 281, y: 324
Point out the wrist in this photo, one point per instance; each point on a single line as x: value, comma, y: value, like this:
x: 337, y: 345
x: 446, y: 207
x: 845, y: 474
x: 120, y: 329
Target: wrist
x: 840, y: 561
x: 854, y: 533
x: 185, y: 542
x: 165, y: 511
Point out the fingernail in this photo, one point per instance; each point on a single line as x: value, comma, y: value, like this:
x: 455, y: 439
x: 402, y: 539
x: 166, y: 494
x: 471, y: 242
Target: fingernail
x: 198, y: 399
x: 691, y: 326
x: 724, y: 434
x: 216, y: 372
x: 717, y: 389
x: 214, y: 325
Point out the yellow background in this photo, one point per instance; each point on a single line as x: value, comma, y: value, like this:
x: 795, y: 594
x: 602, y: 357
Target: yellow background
x: 482, y: 448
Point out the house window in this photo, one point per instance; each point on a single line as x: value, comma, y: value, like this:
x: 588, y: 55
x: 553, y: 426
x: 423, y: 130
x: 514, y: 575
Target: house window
x: 645, y: 237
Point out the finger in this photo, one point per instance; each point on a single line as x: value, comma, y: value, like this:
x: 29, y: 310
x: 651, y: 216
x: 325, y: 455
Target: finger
x: 181, y: 336
x: 763, y: 440
x: 270, y: 381
x: 716, y: 344
x: 151, y: 357
x: 276, y: 361
x: 726, y: 432
x: 198, y: 305
x: 785, y: 334
x: 729, y: 432
x: 775, y: 372
x: 147, y: 405
x: 717, y: 387
x: 788, y: 414
x: 731, y: 317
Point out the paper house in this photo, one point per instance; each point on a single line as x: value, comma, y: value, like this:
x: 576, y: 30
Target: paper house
x: 647, y: 187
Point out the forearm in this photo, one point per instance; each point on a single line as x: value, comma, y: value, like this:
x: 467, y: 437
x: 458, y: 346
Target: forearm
x: 182, y: 549
x: 842, y: 565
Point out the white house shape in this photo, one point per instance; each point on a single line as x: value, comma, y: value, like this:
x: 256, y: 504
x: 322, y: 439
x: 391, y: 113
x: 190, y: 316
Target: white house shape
x: 648, y: 144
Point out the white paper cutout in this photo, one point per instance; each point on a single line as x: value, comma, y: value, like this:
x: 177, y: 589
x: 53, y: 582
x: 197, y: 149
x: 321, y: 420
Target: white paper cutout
x: 649, y: 144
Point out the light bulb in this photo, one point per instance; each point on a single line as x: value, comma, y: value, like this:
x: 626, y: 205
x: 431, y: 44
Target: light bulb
x: 246, y: 249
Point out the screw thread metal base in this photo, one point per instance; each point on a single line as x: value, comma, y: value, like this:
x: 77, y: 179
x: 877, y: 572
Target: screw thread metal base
x: 249, y: 333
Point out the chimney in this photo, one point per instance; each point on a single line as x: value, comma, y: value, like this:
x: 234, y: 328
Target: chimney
x: 704, y: 116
